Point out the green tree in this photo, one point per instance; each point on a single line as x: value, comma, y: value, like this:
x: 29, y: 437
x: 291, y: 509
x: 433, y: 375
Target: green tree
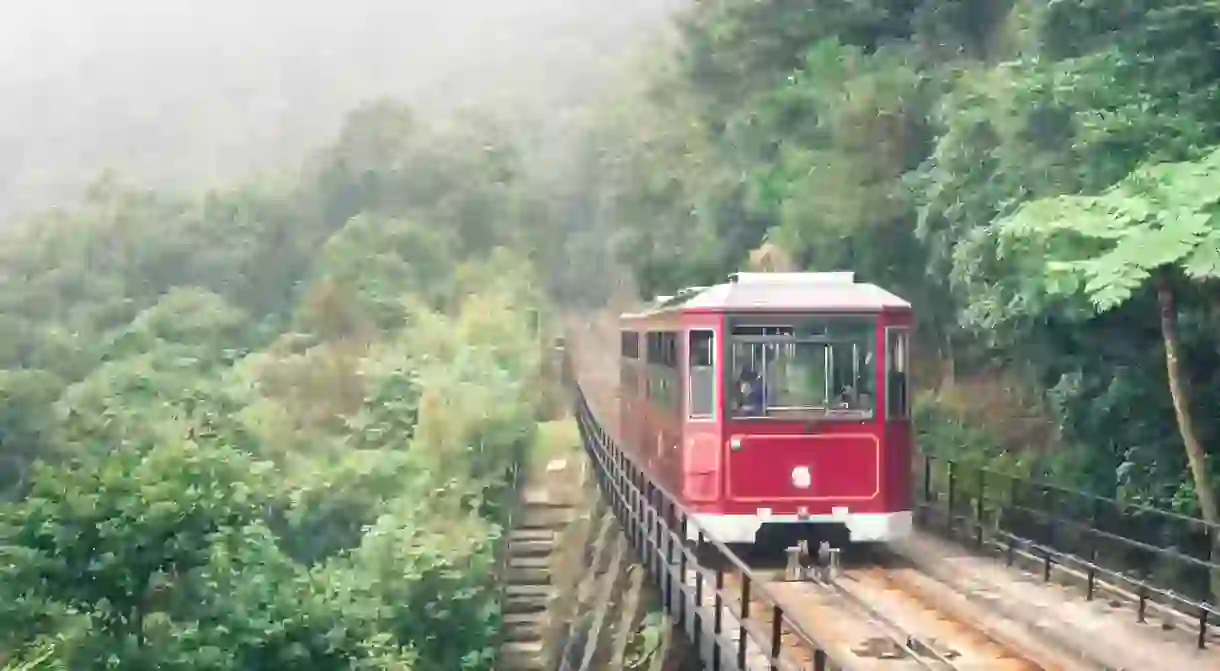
x: 1157, y: 228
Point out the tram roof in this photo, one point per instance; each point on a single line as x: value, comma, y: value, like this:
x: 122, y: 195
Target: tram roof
x: 830, y: 292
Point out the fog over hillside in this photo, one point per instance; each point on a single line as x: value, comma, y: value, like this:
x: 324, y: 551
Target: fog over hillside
x: 195, y: 93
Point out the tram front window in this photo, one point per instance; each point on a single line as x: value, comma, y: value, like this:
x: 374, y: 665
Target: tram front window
x: 813, y: 367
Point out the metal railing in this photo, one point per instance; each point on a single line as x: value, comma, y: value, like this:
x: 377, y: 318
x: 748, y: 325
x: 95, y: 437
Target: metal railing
x: 733, y: 620
x: 508, y: 500
x: 1148, y: 555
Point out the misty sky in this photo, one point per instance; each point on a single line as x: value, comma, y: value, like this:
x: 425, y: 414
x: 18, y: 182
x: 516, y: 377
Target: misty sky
x: 193, y: 93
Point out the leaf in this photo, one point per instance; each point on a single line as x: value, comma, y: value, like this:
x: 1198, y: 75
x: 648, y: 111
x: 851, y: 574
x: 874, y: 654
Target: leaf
x: 1160, y: 215
x: 1110, y: 286
x: 1151, y: 248
x: 1063, y: 278
x: 1204, y: 262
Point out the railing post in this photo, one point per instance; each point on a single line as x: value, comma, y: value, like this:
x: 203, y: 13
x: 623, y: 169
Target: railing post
x: 1212, y: 597
x: 927, y: 479
x: 1094, y: 529
x: 630, y: 511
x: 682, y: 569
x: 637, y: 520
x: 656, y: 543
x: 669, y: 562
x: 1014, y: 486
x: 642, y: 498
x: 718, y: 621
x: 1048, y: 495
x: 777, y: 629
x: 650, y: 539
x: 1142, y: 610
x: 980, y: 509
x: 949, y: 515
x: 621, y: 503
x: 698, y: 635
x: 743, y: 637
x: 1202, y: 641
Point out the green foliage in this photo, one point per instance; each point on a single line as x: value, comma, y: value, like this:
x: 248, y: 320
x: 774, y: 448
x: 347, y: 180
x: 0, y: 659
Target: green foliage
x: 901, y: 139
x: 372, y: 261
x: 106, y: 534
x: 1109, y: 245
x: 219, y: 418
x: 454, y: 176
x: 26, y: 420
x: 44, y: 655
x: 194, y: 318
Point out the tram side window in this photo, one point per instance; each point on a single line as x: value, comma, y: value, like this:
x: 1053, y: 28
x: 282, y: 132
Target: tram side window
x: 897, y: 362
x: 652, y: 343
x: 702, y: 379
x: 662, y: 368
x: 669, y: 369
x: 630, y: 345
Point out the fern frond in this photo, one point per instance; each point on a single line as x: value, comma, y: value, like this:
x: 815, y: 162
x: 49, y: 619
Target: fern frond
x: 1161, y: 215
x: 1150, y: 248
x: 1112, y: 284
x: 1186, y: 185
x: 1087, y: 216
x: 1204, y: 262
x: 1064, y: 278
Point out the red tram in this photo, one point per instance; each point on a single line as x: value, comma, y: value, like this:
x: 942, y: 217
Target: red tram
x: 774, y: 403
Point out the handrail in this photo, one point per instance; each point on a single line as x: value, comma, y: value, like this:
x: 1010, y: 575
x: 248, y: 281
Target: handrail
x: 1011, y: 523
x: 507, y: 523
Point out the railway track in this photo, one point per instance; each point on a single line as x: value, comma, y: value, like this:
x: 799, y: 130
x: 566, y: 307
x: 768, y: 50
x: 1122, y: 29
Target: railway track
x: 872, y: 613
x: 875, y: 612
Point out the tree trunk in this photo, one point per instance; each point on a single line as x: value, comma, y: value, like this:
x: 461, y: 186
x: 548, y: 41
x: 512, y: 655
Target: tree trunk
x: 1181, y: 400
x: 1186, y: 425
x: 950, y: 377
x: 1216, y: 321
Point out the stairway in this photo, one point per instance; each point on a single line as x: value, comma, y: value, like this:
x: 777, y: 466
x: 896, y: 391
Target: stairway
x: 530, y: 592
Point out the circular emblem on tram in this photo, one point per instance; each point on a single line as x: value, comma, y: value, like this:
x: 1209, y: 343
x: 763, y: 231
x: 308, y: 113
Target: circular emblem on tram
x: 801, y: 477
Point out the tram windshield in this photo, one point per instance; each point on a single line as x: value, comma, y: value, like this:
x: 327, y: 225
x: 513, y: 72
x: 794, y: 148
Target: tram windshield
x: 798, y: 367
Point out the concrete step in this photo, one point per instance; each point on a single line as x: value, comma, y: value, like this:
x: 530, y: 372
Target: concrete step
x: 525, y: 606
x: 530, y: 548
x: 532, y: 534
x: 541, y: 496
x: 520, y: 656
x: 524, y: 599
x: 529, y: 591
x: 529, y: 562
x: 528, y: 575
x: 545, y: 517
x: 524, y: 627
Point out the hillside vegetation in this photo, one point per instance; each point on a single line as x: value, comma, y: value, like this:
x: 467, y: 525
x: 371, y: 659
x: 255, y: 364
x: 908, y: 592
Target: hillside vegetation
x: 271, y: 428
x: 1039, y: 178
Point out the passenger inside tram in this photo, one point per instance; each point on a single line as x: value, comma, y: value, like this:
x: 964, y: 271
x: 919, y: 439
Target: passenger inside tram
x: 749, y: 393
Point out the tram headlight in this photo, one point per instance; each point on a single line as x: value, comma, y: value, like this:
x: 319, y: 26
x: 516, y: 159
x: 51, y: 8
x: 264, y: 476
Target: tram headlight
x: 801, y: 477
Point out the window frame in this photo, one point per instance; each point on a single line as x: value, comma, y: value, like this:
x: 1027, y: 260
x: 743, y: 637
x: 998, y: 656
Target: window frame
x: 904, y: 414
x: 662, y: 369
x: 867, y: 324
x: 713, y: 416
x: 629, y: 344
